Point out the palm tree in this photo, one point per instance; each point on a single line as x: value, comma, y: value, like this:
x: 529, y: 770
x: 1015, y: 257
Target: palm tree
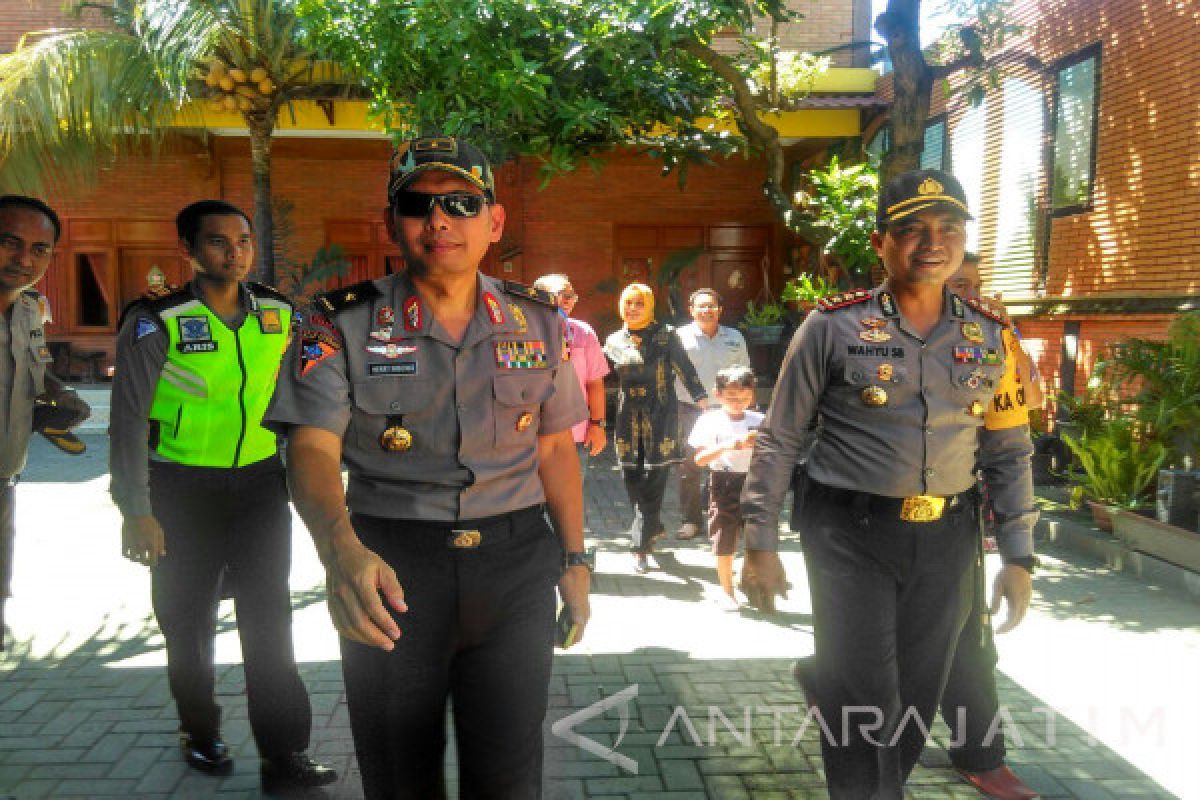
x: 74, y: 100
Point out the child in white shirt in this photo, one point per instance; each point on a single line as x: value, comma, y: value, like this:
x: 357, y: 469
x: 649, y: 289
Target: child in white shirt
x: 724, y: 440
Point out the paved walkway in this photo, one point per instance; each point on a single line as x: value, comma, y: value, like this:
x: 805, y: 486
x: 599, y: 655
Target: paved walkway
x: 1100, y: 680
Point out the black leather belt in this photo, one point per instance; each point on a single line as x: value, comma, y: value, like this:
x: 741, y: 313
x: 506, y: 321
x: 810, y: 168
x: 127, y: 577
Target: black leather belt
x: 919, y: 508
x: 469, y: 534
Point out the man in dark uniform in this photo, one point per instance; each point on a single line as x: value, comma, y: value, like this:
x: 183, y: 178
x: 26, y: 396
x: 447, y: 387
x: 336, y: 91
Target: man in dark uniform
x: 29, y: 230
x: 446, y: 395
x: 903, y: 380
x: 201, y: 486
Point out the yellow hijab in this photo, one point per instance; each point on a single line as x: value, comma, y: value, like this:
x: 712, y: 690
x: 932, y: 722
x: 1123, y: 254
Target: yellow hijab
x: 647, y: 295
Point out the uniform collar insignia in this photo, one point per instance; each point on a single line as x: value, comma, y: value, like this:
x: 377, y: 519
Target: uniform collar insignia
x: 956, y: 306
x: 494, y: 311
x: 414, y: 314
x: 887, y: 304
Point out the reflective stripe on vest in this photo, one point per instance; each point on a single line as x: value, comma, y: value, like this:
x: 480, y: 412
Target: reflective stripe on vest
x: 216, y: 384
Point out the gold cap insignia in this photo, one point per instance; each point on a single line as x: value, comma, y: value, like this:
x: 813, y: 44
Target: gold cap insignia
x: 930, y: 186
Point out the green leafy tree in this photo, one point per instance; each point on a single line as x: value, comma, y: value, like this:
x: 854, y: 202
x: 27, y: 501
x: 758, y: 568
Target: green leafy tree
x: 836, y: 210
x: 564, y: 81
x: 72, y: 101
x: 961, y: 54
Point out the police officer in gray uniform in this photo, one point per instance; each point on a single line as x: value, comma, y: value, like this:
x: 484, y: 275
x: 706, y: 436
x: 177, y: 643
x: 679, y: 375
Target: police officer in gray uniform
x: 29, y: 230
x: 903, y: 380
x: 446, y: 395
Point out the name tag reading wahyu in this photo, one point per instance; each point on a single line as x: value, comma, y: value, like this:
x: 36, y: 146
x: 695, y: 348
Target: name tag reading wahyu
x: 521, y: 355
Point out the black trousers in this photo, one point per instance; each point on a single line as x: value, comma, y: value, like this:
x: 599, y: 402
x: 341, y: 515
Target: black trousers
x: 8, y: 535
x: 691, y: 477
x: 480, y: 632
x: 645, y: 487
x: 970, y: 696
x: 236, y: 521
x: 889, y: 601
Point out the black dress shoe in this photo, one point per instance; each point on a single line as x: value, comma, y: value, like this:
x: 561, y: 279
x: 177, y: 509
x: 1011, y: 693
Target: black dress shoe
x: 294, y: 770
x: 211, y: 755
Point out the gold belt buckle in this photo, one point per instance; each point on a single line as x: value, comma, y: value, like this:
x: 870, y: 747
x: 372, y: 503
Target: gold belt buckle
x: 465, y: 540
x: 922, y: 508
x: 637, y: 391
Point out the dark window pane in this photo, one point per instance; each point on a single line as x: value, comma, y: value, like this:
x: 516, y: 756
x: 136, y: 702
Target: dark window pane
x: 93, y: 308
x: 1074, y: 131
x: 933, y: 151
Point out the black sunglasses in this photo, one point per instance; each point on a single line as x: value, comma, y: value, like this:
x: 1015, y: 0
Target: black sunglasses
x: 420, y: 205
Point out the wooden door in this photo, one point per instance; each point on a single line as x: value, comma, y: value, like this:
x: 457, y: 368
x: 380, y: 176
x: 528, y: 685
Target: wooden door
x: 728, y: 258
x: 738, y: 276
x: 137, y: 264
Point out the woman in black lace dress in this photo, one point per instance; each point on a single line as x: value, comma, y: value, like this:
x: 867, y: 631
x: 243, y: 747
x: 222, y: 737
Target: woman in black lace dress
x: 646, y: 356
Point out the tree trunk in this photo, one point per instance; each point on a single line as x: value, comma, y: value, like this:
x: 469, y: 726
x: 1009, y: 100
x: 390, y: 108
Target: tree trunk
x: 261, y: 124
x: 900, y: 27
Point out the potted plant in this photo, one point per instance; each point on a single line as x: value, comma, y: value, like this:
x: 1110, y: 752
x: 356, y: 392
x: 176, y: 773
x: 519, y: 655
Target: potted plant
x: 1161, y: 379
x: 835, y: 209
x: 804, y: 292
x: 763, y: 324
x: 1118, y: 463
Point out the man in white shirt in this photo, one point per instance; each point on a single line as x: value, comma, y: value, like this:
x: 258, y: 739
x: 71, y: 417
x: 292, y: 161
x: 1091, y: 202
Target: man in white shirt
x: 711, y: 347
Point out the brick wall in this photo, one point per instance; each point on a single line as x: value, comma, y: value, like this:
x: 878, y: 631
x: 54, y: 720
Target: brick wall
x: 566, y: 227
x: 20, y: 16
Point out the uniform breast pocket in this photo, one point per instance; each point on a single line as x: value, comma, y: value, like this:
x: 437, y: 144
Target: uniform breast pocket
x: 874, y: 384
x: 976, y: 379
x: 519, y: 399
x: 377, y: 406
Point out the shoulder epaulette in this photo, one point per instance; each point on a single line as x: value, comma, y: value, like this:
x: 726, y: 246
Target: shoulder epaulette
x: 529, y: 292
x: 836, y: 301
x: 262, y: 290
x: 348, y: 297
x: 989, y: 310
x: 156, y: 301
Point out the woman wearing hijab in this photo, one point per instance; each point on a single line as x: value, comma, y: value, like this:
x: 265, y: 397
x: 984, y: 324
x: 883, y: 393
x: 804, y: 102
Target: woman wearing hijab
x: 647, y: 355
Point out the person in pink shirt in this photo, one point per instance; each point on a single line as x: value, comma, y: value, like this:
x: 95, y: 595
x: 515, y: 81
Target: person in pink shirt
x: 588, y: 360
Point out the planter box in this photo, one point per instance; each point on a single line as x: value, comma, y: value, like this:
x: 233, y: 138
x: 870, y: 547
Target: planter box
x: 1158, y: 539
x: 763, y: 334
x: 1179, y: 497
x: 1102, y: 515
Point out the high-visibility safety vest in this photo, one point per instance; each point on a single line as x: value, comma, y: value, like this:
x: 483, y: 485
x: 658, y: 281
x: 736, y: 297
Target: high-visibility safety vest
x: 216, y: 383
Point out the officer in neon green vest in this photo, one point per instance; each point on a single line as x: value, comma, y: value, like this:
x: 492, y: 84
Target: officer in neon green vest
x: 201, y: 487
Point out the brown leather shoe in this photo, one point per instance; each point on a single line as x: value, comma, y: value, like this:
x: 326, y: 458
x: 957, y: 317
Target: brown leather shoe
x: 1000, y: 783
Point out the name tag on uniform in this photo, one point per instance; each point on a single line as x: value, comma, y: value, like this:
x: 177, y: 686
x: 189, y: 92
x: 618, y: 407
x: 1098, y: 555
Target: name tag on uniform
x: 398, y: 368
x: 197, y: 347
x: 521, y: 355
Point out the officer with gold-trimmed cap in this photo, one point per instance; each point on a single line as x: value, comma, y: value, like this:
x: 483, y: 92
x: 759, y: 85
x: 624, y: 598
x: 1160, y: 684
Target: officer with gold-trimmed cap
x: 903, y: 378
x: 448, y: 396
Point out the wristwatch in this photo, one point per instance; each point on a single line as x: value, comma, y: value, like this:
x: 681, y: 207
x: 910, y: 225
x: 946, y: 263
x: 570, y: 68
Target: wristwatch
x: 578, y: 559
x: 599, y: 423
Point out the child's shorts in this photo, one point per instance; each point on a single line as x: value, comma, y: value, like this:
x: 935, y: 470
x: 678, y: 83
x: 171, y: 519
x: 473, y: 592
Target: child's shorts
x: 725, y: 511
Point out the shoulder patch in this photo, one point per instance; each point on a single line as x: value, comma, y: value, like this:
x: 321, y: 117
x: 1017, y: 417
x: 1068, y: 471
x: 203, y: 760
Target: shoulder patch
x: 843, y: 300
x: 144, y: 328
x: 528, y: 292
x: 989, y: 310
x: 155, y: 302
x: 262, y: 290
x: 350, y: 296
